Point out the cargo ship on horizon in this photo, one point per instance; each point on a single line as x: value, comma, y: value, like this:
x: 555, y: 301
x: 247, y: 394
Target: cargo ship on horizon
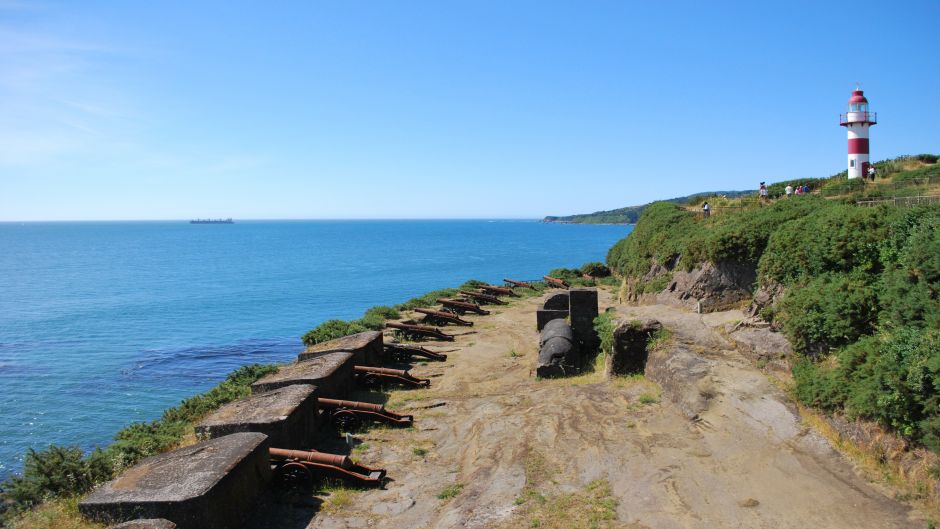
x: 212, y: 221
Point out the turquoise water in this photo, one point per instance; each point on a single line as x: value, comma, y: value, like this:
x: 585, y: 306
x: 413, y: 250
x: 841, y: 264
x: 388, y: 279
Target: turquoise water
x: 106, y: 323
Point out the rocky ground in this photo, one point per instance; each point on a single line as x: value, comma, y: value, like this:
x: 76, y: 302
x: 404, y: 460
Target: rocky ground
x: 493, y: 447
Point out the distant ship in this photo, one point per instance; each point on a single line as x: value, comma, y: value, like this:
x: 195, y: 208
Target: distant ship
x: 212, y: 221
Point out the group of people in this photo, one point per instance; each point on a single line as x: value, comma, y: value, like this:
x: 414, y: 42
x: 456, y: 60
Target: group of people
x: 799, y: 190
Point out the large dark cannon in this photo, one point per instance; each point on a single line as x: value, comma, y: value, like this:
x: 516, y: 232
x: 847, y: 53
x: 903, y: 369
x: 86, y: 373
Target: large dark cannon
x: 558, y: 351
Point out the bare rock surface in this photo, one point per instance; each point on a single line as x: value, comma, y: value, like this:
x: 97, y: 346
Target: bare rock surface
x: 745, y: 461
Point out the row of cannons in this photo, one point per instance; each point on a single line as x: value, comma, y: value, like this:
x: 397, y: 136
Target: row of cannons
x: 268, y: 436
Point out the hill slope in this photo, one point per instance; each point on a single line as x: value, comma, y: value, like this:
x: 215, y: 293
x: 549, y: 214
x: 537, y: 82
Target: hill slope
x: 630, y: 214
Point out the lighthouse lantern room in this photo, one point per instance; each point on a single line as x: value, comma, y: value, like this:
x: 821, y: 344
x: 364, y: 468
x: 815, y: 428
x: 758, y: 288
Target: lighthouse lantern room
x: 857, y: 121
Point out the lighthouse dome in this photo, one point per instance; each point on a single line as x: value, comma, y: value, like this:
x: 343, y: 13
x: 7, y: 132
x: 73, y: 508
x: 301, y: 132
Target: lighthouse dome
x: 857, y: 97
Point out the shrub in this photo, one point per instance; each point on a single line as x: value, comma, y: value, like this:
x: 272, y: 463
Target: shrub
x: 331, y: 330
x: 912, y: 285
x: 661, y: 236
x: 893, y: 379
x: 830, y: 238
x: 54, y: 472
x: 604, y: 327
x: 375, y: 317
x: 595, y: 269
x: 830, y: 311
x: 427, y: 300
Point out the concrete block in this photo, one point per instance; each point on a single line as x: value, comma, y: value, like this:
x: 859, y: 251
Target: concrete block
x: 152, y: 523
x: 366, y: 347
x: 287, y: 415
x: 583, y: 304
x: 543, y: 316
x: 556, y: 301
x: 331, y: 373
x: 209, y: 485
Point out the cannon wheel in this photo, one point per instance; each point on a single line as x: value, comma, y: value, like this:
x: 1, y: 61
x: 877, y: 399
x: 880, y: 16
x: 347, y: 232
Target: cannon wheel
x: 293, y: 474
x: 346, y: 421
x: 370, y: 380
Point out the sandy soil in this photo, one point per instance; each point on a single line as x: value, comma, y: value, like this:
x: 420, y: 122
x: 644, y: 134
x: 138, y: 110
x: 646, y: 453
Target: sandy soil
x: 491, y: 442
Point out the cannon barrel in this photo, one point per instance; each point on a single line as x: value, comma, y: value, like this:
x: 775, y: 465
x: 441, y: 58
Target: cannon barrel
x: 489, y: 298
x: 521, y: 284
x: 463, y: 305
x: 561, y: 283
x: 498, y: 290
x: 351, y: 404
x: 322, y: 458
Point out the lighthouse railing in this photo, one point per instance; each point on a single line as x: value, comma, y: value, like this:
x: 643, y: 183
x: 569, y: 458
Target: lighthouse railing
x: 858, y: 117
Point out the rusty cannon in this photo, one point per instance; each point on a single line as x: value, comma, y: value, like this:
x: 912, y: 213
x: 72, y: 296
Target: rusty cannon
x: 400, y: 352
x: 519, y: 284
x: 498, y: 291
x: 437, y: 317
x: 482, y: 298
x: 348, y: 415
x: 462, y: 307
x: 376, y: 376
x: 419, y: 331
x: 556, y: 282
x: 300, y: 466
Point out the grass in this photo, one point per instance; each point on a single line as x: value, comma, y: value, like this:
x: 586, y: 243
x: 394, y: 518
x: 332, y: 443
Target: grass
x: 593, y: 507
x: 450, y: 492
x: 648, y: 398
x: 61, y: 513
x: 514, y: 354
x: 339, y: 496
x: 419, y: 452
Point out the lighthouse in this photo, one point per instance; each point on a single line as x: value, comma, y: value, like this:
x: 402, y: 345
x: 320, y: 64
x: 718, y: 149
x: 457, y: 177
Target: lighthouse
x: 857, y: 121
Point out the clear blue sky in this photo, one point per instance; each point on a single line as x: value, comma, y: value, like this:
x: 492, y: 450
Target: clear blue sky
x: 408, y: 109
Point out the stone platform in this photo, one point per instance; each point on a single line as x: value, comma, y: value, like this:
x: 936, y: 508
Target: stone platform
x: 366, y: 347
x: 287, y: 415
x: 209, y: 485
x: 331, y: 373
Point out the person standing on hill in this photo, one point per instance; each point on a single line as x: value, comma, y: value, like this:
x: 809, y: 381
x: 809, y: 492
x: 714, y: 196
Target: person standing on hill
x: 763, y: 192
x: 706, y: 210
x: 788, y: 190
x: 871, y: 172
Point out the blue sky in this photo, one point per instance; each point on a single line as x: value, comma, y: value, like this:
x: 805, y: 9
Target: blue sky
x: 408, y: 109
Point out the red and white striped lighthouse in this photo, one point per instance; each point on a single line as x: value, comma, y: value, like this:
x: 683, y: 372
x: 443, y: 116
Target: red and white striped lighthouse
x: 857, y: 121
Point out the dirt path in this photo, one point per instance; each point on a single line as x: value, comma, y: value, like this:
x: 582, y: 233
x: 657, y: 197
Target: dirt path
x: 493, y: 447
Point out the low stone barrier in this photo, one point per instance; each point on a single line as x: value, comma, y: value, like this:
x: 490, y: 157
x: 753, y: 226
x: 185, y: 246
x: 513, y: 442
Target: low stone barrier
x: 209, y: 485
x: 331, y: 373
x: 287, y: 415
x: 366, y: 347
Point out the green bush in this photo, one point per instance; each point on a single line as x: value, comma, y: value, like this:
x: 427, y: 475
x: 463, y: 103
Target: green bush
x: 828, y: 312
x: 54, y: 472
x: 427, y: 300
x: 604, y: 327
x: 661, y: 236
x: 912, y: 285
x: 375, y: 318
x: 893, y: 379
x: 331, y: 330
x: 595, y: 269
x: 829, y: 238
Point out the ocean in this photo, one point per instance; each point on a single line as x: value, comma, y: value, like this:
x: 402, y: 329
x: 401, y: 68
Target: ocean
x: 107, y: 323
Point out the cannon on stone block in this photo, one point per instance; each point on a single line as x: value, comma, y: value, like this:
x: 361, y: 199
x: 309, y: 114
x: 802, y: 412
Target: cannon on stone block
x: 400, y: 352
x: 419, y: 331
x: 520, y: 284
x: 555, y: 282
x: 482, y: 298
x: 349, y: 415
x: 558, y: 351
x: 375, y: 376
x: 437, y: 317
x: 300, y: 465
x: 462, y: 307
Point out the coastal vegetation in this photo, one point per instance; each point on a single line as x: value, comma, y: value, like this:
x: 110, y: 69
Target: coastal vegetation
x: 855, y: 289
x: 630, y: 214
